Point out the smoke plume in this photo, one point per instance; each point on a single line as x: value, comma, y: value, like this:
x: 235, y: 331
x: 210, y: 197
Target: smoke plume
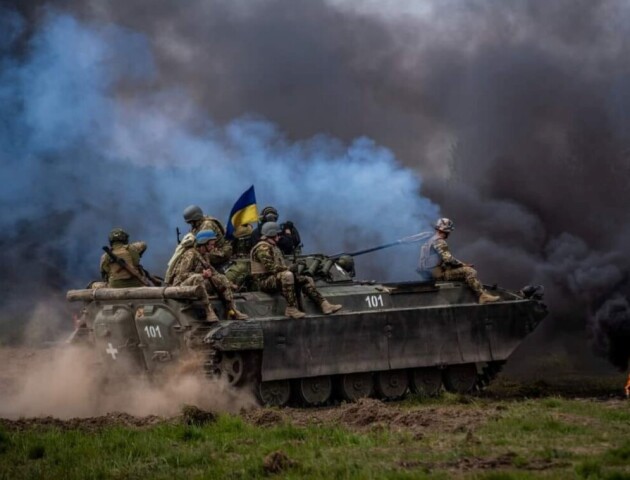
x: 514, y: 114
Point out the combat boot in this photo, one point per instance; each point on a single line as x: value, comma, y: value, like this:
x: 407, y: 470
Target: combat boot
x: 210, y: 315
x: 485, y: 297
x: 293, y: 312
x: 328, y: 308
x: 234, y: 314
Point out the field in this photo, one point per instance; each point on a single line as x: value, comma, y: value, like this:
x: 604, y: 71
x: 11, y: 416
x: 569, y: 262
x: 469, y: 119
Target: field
x: 519, y: 428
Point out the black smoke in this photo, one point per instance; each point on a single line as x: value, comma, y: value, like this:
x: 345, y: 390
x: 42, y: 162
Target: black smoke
x: 516, y: 114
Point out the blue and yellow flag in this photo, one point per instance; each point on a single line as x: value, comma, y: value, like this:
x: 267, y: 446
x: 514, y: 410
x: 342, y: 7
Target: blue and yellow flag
x: 243, y: 212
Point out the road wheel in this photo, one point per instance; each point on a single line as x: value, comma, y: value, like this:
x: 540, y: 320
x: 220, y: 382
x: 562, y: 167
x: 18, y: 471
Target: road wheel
x: 425, y: 381
x: 460, y: 378
x: 315, y: 391
x: 392, y: 384
x: 275, y: 393
x: 356, y: 385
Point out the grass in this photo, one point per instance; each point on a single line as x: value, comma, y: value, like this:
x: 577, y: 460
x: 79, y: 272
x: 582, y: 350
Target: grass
x: 536, y: 438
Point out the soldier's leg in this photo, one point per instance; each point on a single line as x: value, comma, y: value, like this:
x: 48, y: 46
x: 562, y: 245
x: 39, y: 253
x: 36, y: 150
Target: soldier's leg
x: 469, y: 276
x: 199, y: 327
x: 464, y: 274
x: 222, y: 286
x: 287, y: 282
x: 307, y: 285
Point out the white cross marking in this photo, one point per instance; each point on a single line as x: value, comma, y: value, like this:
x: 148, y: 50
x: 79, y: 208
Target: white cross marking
x: 111, y: 350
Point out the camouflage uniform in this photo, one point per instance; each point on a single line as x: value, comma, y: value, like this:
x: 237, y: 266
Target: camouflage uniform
x: 223, y: 248
x: 288, y: 243
x: 188, y: 272
x: 242, y: 242
x: 436, y: 259
x: 115, y: 275
x: 272, y: 275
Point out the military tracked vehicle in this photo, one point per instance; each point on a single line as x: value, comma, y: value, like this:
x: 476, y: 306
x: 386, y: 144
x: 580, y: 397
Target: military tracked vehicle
x: 389, y: 338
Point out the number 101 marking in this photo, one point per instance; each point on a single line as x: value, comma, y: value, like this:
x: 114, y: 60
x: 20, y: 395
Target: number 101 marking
x: 374, y: 301
x: 153, y: 332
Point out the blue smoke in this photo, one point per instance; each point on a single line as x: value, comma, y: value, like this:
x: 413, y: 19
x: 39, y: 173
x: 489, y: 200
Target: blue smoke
x: 88, y: 142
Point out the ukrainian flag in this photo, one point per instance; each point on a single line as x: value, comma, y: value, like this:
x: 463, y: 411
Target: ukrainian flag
x: 243, y: 212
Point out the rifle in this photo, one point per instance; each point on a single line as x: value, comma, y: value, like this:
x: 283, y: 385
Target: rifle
x: 123, y: 264
x: 418, y: 237
x: 155, y: 280
x: 177, y: 232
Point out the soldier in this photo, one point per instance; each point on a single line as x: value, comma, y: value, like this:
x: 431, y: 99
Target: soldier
x: 273, y: 275
x: 193, y: 215
x: 191, y: 268
x: 436, y: 262
x: 289, y: 241
x: 115, y: 274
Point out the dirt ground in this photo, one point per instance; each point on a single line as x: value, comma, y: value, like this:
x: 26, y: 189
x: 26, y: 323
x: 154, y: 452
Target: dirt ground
x: 457, y: 416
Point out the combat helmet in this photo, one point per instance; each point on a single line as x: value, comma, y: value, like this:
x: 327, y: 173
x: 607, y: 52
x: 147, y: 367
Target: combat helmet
x: 192, y: 213
x: 205, y: 236
x: 445, y: 225
x: 347, y: 263
x: 118, y: 235
x: 270, y: 229
x: 269, y: 214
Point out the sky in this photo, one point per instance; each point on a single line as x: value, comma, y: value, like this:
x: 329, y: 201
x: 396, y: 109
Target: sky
x: 360, y: 121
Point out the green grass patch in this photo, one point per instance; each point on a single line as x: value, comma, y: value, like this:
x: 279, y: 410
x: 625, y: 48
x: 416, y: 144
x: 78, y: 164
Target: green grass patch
x: 481, y: 439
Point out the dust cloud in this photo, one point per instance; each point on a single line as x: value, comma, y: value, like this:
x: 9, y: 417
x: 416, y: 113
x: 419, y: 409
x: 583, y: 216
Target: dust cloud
x: 67, y: 382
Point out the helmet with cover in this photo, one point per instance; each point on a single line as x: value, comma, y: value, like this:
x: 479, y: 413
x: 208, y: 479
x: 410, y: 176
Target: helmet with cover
x: 192, y: 213
x: 445, y: 225
x: 269, y: 214
x: 270, y: 229
x: 118, y: 235
x: 205, y: 236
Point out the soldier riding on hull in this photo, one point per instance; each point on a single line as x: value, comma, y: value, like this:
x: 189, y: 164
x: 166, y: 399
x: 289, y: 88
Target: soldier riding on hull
x: 191, y: 268
x: 127, y: 271
x: 437, y: 262
x: 273, y: 275
x: 221, y: 254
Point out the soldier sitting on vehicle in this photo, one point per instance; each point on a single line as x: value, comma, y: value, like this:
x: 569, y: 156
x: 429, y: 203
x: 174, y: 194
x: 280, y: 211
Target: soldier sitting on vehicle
x: 289, y: 241
x: 126, y: 272
x: 272, y: 275
x: 191, y: 268
x: 221, y: 254
x: 437, y: 263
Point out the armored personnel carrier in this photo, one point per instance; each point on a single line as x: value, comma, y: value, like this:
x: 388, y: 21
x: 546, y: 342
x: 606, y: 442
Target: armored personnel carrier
x: 389, y: 339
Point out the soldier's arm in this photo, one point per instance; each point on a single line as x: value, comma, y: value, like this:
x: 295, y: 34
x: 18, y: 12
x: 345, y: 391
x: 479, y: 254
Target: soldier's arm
x: 221, y: 253
x: 104, y: 266
x: 263, y: 255
x: 447, y: 258
x: 185, y: 268
x: 138, y: 247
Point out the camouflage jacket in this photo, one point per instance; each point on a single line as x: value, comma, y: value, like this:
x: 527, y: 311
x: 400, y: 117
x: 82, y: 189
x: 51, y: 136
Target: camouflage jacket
x: 223, y: 249
x: 189, y: 263
x: 114, y: 274
x: 441, y: 247
x: 266, y: 258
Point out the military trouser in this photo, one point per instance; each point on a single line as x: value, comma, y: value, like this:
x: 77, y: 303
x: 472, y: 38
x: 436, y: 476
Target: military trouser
x: 199, y: 327
x: 286, y: 282
x: 217, y: 283
x: 464, y: 273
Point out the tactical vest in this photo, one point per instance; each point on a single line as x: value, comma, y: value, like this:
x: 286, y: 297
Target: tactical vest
x: 257, y: 267
x: 217, y: 226
x: 429, y: 256
x: 131, y: 258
